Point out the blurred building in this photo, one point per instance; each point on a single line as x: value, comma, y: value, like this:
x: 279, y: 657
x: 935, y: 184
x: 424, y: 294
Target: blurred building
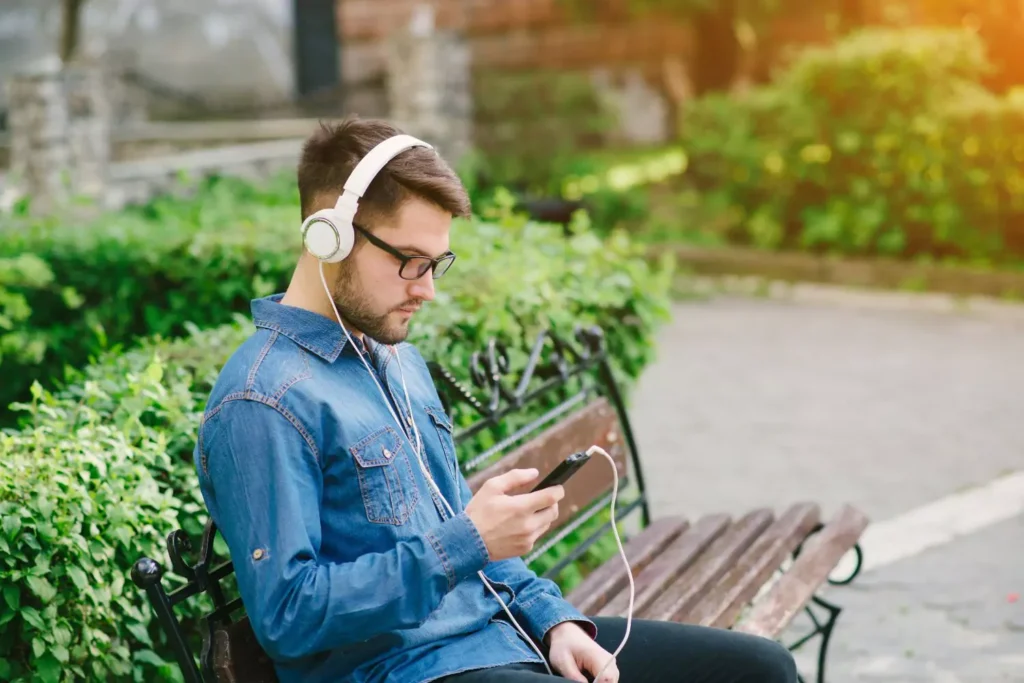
x: 187, y: 53
x: 207, y: 57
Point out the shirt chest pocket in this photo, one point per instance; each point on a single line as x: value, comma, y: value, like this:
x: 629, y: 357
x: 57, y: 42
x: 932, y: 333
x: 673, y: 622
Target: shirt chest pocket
x: 386, y: 480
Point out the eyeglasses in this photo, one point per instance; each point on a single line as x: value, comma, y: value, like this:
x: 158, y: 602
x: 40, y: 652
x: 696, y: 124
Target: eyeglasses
x: 413, y: 267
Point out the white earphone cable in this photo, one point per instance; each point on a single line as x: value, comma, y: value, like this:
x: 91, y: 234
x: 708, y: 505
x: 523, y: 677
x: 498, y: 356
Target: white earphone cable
x: 418, y: 449
x: 622, y: 553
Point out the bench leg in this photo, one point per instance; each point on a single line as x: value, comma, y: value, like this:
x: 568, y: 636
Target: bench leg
x: 822, y: 627
x: 823, y: 624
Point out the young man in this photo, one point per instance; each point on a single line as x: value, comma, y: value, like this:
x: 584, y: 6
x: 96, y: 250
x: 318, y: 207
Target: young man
x: 309, y: 458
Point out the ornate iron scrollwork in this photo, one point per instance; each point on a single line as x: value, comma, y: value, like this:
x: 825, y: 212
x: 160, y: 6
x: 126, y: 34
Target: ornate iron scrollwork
x: 496, y: 388
x: 179, y: 543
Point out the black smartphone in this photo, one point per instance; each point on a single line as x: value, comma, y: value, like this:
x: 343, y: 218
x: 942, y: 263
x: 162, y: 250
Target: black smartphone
x: 565, y: 469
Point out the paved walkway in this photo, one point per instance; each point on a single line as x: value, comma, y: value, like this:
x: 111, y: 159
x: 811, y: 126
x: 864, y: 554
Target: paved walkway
x: 890, y: 402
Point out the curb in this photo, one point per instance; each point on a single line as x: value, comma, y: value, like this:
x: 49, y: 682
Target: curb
x: 847, y: 272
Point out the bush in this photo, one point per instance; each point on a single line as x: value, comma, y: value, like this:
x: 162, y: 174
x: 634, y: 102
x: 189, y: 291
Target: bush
x: 881, y: 144
x: 140, y: 272
x: 102, y: 471
x: 26, y: 272
x: 531, y: 127
x: 82, y: 493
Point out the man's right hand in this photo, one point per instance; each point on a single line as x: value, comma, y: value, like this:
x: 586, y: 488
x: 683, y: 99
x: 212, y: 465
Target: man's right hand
x: 511, y: 524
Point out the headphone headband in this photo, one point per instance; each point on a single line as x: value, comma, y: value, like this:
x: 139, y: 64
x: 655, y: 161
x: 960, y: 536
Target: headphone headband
x: 328, y: 234
x: 377, y: 158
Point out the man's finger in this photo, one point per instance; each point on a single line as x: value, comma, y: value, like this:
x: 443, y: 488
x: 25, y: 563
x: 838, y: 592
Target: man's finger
x: 539, y: 500
x: 597, y: 662
x: 512, y: 480
x: 610, y: 674
x: 565, y: 665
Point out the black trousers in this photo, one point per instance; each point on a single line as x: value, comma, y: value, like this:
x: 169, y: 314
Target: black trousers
x: 665, y: 652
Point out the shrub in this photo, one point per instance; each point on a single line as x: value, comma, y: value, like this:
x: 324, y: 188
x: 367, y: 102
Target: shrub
x: 102, y: 471
x: 532, y: 126
x: 26, y: 272
x: 143, y: 271
x: 881, y: 144
x: 146, y: 271
x: 81, y: 495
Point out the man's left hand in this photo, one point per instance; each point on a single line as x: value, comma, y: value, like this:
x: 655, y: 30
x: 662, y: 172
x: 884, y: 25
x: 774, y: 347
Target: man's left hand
x: 572, y: 652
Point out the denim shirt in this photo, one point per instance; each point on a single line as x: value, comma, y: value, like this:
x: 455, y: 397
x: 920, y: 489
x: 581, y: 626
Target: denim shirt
x: 348, y: 568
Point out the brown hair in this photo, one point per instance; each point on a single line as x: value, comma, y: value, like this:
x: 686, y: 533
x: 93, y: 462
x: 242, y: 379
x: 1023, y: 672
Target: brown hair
x: 331, y: 153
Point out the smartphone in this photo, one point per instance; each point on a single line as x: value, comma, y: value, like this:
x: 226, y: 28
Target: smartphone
x: 565, y: 469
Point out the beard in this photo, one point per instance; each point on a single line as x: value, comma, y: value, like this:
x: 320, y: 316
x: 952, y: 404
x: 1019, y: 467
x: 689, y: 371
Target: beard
x: 359, y: 312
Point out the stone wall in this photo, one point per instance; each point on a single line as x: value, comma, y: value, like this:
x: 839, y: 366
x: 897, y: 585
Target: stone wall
x: 135, y: 182
x: 226, y: 52
x: 429, y: 85
x: 63, y: 125
x: 40, y: 145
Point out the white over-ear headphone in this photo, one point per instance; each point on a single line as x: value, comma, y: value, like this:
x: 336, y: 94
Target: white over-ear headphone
x: 328, y: 234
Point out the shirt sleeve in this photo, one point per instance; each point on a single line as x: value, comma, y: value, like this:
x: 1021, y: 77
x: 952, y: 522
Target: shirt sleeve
x: 265, y: 480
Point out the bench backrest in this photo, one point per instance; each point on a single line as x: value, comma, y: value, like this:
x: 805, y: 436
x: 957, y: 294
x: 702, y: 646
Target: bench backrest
x: 564, y: 399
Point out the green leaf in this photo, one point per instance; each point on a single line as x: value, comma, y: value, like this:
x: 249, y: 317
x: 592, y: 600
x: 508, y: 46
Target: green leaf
x: 61, y: 653
x: 78, y: 577
x: 12, y: 525
x: 72, y: 299
x: 139, y: 632
x: 31, y: 615
x: 150, y: 657
x: 42, y: 588
x: 48, y: 668
x: 154, y: 373
x: 12, y: 596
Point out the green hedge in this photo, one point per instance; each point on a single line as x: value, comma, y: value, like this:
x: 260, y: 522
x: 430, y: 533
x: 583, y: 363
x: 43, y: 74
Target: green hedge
x: 881, y: 144
x: 101, y: 471
x: 144, y: 271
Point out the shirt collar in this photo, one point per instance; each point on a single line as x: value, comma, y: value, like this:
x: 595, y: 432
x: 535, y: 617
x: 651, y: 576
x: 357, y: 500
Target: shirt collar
x: 312, y: 331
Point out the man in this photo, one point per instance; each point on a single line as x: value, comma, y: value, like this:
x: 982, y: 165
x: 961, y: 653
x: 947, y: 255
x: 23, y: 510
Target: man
x: 346, y: 562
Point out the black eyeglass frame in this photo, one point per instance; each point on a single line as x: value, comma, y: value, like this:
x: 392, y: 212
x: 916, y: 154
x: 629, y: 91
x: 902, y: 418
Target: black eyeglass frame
x: 433, y: 264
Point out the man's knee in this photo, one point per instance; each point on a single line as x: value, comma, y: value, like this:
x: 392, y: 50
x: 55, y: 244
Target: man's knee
x: 773, y: 662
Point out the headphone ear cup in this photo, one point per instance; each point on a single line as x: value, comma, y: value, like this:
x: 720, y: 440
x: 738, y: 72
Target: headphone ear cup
x: 327, y: 236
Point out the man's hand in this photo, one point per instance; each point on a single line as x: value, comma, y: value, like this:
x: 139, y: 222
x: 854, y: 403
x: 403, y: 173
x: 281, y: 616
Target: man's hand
x: 572, y: 652
x: 511, y: 524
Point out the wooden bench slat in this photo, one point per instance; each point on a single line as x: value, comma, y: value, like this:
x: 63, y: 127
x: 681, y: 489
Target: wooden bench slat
x: 673, y: 561
x: 723, y: 603
x: 819, y: 556
x: 596, y: 589
x: 680, y: 597
x: 596, y: 424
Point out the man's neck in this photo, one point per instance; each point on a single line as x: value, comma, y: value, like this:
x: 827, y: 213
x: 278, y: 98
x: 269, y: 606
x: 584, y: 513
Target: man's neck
x: 306, y: 291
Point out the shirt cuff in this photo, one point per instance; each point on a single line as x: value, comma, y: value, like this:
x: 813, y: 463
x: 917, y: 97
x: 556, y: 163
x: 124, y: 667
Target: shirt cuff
x: 459, y: 547
x: 547, y: 611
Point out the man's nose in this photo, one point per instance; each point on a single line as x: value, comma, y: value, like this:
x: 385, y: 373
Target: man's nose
x: 423, y: 288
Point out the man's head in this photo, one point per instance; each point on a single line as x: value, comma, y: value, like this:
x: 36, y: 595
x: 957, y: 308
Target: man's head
x: 404, y: 219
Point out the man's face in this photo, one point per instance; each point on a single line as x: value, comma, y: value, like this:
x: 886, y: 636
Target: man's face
x: 369, y: 292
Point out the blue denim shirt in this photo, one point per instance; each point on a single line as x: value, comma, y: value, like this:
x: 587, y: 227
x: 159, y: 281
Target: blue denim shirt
x: 346, y: 565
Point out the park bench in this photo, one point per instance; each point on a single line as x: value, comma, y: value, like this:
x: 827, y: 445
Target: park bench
x: 752, y: 573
